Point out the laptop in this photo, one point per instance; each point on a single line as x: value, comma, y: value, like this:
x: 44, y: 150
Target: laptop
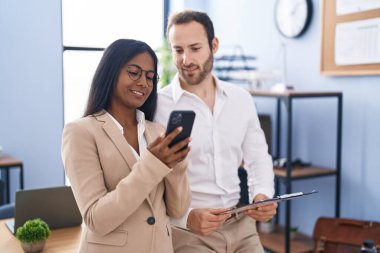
x: 56, y: 206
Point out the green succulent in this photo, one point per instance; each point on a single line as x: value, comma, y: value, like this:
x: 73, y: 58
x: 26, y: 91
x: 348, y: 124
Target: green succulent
x: 33, y: 231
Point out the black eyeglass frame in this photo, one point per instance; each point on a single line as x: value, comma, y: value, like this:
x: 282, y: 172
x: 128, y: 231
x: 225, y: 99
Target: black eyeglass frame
x: 132, y: 75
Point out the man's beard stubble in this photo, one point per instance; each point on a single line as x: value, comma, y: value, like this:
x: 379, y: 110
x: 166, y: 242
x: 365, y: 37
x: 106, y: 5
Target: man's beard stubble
x: 205, y: 69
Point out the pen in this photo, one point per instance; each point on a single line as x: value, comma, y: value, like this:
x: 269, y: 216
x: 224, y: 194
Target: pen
x: 286, y: 197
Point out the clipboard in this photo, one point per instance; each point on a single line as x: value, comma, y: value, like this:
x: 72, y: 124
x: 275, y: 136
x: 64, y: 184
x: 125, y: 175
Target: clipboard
x: 237, y: 210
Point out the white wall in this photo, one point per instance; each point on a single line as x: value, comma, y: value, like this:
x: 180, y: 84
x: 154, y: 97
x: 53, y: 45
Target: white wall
x: 180, y: 5
x: 31, y: 96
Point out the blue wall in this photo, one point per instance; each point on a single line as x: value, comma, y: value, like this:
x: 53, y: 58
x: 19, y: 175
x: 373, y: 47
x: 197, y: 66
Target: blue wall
x: 31, y: 104
x: 31, y: 94
x: 250, y: 23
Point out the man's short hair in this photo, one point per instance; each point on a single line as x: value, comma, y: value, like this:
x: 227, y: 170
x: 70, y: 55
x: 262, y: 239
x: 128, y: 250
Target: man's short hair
x: 187, y: 16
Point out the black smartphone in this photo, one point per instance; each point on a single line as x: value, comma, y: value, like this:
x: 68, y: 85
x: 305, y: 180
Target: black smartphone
x: 185, y: 119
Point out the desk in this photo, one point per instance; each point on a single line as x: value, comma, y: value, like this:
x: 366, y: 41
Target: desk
x: 65, y: 240
x: 6, y: 163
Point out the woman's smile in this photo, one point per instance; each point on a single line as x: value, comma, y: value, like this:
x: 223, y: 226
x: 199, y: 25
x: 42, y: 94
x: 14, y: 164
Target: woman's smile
x: 138, y: 94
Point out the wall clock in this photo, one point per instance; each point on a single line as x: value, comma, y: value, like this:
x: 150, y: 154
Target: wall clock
x: 292, y: 17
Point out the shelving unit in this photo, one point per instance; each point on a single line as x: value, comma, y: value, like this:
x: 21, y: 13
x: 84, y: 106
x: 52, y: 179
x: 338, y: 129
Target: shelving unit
x: 231, y: 68
x: 277, y: 242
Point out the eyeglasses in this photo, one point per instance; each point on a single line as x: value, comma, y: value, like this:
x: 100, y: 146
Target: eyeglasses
x: 135, y: 72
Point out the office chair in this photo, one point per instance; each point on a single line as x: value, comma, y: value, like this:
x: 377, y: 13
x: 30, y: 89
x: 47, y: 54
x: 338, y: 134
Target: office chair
x: 244, y: 197
x: 7, y: 211
x: 266, y: 125
x: 1, y: 192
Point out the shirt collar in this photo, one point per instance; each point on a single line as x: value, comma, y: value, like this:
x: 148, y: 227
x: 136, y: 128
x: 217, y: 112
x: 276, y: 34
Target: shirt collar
x: 220, y: 87
x: 178, y: 92
x: 140, y: 117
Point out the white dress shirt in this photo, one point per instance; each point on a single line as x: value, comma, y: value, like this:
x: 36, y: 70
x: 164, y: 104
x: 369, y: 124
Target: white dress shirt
x: 221, y: 140
x: 140, y: 117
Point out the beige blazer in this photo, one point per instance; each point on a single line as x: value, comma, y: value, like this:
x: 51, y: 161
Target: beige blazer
x: 125, y: 204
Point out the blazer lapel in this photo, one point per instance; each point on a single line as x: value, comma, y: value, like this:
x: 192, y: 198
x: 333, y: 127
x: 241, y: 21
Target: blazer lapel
x: 118, y: 139
x: 122, y: 145
x: 149, y: 139
x: 148, y: 134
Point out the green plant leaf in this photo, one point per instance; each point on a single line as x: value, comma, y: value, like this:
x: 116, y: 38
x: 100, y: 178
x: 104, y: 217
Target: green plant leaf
x: 33, y: 231
x: 167, y: 68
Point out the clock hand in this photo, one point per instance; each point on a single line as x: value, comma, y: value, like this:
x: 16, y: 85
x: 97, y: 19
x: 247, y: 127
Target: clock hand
x: 295, y: 9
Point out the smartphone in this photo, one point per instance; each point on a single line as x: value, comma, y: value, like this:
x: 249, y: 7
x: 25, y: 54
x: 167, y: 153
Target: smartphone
x: 185, y: 119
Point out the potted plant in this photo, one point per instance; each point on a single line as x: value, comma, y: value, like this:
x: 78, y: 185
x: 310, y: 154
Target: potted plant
x: 293, y: 232
x: 166, y: 65
x: 267, y: 227
x: 33, y: 235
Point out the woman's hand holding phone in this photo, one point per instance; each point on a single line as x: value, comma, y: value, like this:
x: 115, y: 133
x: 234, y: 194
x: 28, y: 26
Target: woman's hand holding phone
x: 170, y: 155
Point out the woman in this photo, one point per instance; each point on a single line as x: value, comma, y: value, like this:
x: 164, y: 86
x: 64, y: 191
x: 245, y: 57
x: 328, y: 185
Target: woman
x: 125, y: 178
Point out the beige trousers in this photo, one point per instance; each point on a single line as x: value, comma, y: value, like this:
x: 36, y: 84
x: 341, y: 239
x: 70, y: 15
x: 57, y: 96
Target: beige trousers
x: 237, y: 235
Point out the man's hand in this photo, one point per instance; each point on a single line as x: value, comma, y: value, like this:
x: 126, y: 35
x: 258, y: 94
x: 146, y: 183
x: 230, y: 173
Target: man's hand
x: 206, y: 221
x: 264, y: 211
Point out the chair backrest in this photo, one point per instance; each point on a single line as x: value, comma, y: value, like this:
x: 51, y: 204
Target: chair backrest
x: 266, y: 125
x: 7, y: 211
x: 244, y: 196
x: 1, y: 192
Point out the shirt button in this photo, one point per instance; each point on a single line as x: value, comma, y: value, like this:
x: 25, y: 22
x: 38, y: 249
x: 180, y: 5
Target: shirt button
x: 151, y: 220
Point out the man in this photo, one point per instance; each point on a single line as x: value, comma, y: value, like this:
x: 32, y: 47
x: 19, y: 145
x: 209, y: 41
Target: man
x: 226, y: 132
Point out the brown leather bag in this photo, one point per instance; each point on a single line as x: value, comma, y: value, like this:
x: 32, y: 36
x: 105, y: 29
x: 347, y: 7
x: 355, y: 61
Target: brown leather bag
x: 338, y: 235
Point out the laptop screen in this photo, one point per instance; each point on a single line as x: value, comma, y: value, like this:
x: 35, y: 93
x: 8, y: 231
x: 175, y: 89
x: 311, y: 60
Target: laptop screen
x: 56, y: 206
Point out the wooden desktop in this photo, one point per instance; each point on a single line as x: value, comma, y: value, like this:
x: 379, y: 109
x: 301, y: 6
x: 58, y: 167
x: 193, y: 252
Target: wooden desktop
x: 65, y: 240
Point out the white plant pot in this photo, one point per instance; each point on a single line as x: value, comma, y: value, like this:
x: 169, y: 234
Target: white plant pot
x: 33, y: 247
x: 267, y: 227
x: 293, y: 234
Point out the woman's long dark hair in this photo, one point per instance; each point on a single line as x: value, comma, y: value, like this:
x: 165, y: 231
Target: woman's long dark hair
x: 114, y: 59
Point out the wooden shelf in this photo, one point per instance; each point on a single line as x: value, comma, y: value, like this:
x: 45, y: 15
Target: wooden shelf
x: 304, y: 172
x: 275, y: 242
x: 292, y: 93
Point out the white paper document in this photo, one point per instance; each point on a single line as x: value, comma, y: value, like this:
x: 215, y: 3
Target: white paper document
x: 357, y: 42
x: 344, y: 7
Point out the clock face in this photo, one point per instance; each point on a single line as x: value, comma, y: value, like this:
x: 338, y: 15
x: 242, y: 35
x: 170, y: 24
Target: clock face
x: 292, y: 16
